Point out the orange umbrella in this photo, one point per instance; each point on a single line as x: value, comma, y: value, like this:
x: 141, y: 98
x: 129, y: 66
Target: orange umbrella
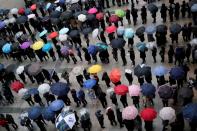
x: 33, y: 7
x: 53, y: 35
x: 115, y: 75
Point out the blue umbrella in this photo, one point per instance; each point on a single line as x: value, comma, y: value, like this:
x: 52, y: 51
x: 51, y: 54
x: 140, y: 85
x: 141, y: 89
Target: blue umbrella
x: 175, y: 28
x: 177, y: 73
x: 141, y: 46
x: 102, y: 46
x: 34, y: 112
x: 148, y: 89
x: 1, y: 66
x: 92, y: 49
x: 44, y: 32
x: 80, y: 94
x: 150, y: 29
x: 63, y: 31
x: 120, y: 30
x: 194, y: 8
x: 7, y: 48
x: 33, y: 91
x: 129, y: 33
x: 48, y: 114
x: 47, y: 47
x: 190, y: 112
x: 27, y: 11
x: 60, y: 88
x: 118, y: 43
x: 56, y: 105
x: 160, y: 71
x: 2, y: 24
x: 88, y: 84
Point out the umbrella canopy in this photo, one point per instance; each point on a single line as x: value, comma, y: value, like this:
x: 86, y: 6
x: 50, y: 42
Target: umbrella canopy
x: 20, y: 69
x: 14, y: 11
x: 2, y: 24
x: 91, y: 17
x: 102, y: 46
x: 48, y: 114
x: 140, y: 31
x: 73, y: 33
x: 194, y: 8
x: 63, y: 31
x: 111, y: 29
x: 99, y: 16
x: 118, y: 43
x: 134, y: 90
x: 21, y: 11
x: 22, y: 92
x: 165, y: 91
x: 186, y: 93
x: 151, y: 45
x: 55, y: 14
x: 16, y: 86
x: 190, y: 112
x: 175, y: 28
x: 1, y: 67
x: 167, y: 113
x: 31, y: 16
x: 28, y: 11
x: 160, y: 71
x: 10, y: 68
x: 115, y: 75
x: 44, y: 88
x: 2, y: 43
x: 44, y: 32
x: 66, y: 15
x: 95, y: 69
x: 152, y: 8
x: 129, y: 33
x: 120, y: 30
x: 25, y: 45
x: 92, y: 49
x: 12, y: 20
x: 148, y: 114
x: 34, y: 112
x: 77, y: 70
x: 56, y: 105
x: 95, y: 33
x: 59, y: 88
x: 193, y: 42
x: 92, y: 11
x: 38, y: 45
x: 53, y: 35
x: 120, y: 13
x: 148, y: 89
x: 89, y: 84
x: 65, y: 50
x: 75, y: 7
x: 33, y: 91
x: 113, y: 18
x: 34, y: 69
x: 84, y: 114
x: 150, y: 29
x: 121, y: 89
x: 87, y: 30
x: 7, y: 48
x: 177, y: 73
x: 141, y: 46
x: 82, y: 17
x: 161, y: 28
x: 74, y: 1
x: 21, y: 19
x: 47, y: 47
x: 129, y: 113
x: 141, y: 70
x: 33, y: 7
x: 19, y: 34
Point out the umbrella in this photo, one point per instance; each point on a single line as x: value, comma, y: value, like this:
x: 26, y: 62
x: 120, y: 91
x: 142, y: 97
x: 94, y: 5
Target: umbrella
x: 38, y: 45
x: 74, y: 1
x: 190, y: 112
x: 55, y: 14
x: 45, y: 19
x: 102, y: 46
x: 129, y: 33
x: 148, y: 89
x: 167, y: 113
x: 194, y: 8
x: 129, y: 113
x: 193, y: 41
x: 150, y: 29
x: 33, y: 91
x: 53, y: 35
x: 118, y: 43
x: 44, y: 32
x: 63, y: 31
x: 120, y: 13
x: 48, y: 114
x: 160, y: 71
x: 151, y: 45
x: 141, y: 70
x: 161, y: 28
x: 2, y: 43
x: 63, y: 37
x: 92, y: 11
x: 152, y: 8
x: 10, y: 68
x: 14, y: 11
x: 140, y: 31
x: 34, y: 69
x: 113, y: 18
x: 16, y: 86
x: 27, y: 11
x: 20, y: 69
x: 120, y: 30
x: 75, y: 7
x: 21, y: 11
x: 56, y: 105
x: 89, y: 84
x: 134, y: 90
x: 66, y: 15
x: 30, y: 16
x: 141, y: 46
x: 92, y: 49
x: 1, y: 67
x: 21, y: 19
x: 95, y: 33
x: 33, y: 7
x: 2, y: 24
x: 25, y: 45
x: 76, y: 14
x: 95, y: 69
x: 99, y: 16
x: 111, y: 29
x: 22, y: 92
x: 80, y: 94
x: 82, y: 17
x: 121, y: 89
x: 34, y: 112
x: 18, y: 34
x: 186, y: 93
x: 165, y: 91
x: 60, y: 88
x: 7, y: 48
x: 192, y: 2
x: 65, y: 50
x: 48, y: 5
x: 91, y: 17
x: 177, y: 73
x: 73, y: 33
x: 77, y: 70
x: 115, y: 75
x: 87, y: 30
x: 148, y: 114
x: 44, y: 88
x: 47, y: 47
x: 84, y: 114
x: 175, y: 28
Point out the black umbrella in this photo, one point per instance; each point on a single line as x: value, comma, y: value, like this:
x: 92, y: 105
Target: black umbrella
x: 87, y: 30
x: 192, y: 2
x: 152, y: 8
x: 75, y: 6
x: 45, y: 19
x: 80, y: 12
x: 10, y: 68
x: 21, y: 19
x: 140, y: 31
x: 66, y: 15
x: 165, y: 91
x: 55, y: 14
x: 73, y: 33
x: 118, y: 43
x: 142, y: 70
x: 55, y: 21
x: 26, y: 68
x: 161, y: 28
x: 175, y: 28
x: 91, y: 17
x: 186, y: 92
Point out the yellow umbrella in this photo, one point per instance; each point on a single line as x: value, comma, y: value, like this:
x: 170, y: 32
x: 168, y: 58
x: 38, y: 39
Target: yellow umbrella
x: 38, y: 45
x: 94, y: 69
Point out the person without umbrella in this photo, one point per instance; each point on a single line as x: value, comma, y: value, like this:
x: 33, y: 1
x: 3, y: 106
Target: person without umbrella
x: 11, y: 121
x: 123, y: 99
x: 100, y: 118
x: 119, y: 117
x: 105, y: 78
x: 75, y: 98
x: 111, y: 116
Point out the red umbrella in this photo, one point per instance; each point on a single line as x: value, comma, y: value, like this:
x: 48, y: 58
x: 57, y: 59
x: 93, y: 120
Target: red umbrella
x: 99, y: 16
x: 121, y: 89
x: 148, y: 114
x: 16, y: 86
x: 53, y: 35
x: 33, y: 7
x: 113, y: 18
x: 21, y: 11
x: 111, y: 29
x: 115, y: 75
x: 3, y: 122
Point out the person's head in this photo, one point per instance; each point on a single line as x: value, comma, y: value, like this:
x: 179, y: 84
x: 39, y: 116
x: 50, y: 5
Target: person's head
x: 190, y: 24
x: 105, y: 73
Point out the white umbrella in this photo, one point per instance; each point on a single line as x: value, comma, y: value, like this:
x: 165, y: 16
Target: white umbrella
x: 6, y: 21
x: 74, y: 1
x: 128, y: 71
x: 109, y: 91
x: 58, y: 8
x: 77, y: 70
x: 95, y: 33
x: 14, y: 11
x: 83, y: 111
x: 12, y: 20
x: 193, y: 42
x: 43, y: 88
x: 22, y: 91
x: 20, y: 70
x: 18, y: 34
x: 150, y: 45
x: 82, y: 17
x: 142, y: 3
x: 31, y: 16
x: 63, y: 37
x: 70, y: 120
x: 167, y: 113
x: 57, y: 1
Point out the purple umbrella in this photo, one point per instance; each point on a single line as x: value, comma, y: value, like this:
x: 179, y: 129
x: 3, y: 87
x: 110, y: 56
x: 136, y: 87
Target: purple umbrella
x: 25, y: 45
x: 65, y: 50
x: 2, y: 24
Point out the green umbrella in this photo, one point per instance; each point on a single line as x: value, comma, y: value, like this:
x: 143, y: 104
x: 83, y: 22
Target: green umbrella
x: 120, y: 13
x: 102, y: 46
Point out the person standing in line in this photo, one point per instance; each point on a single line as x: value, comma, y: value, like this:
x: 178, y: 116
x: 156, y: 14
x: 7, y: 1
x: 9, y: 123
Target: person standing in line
x: 102, y: 98
x: 75, y: 98
x: 163, y: 12
x: 119, y: 117
x: 136, y: 101
x: 100, y: 118
x: 111, y: 116
x: 154, y: 54
x: 113, y: 98
x: 171, y: 12
x: 144, y: 15
x: 105, y: 78
x: 170, y: 54
x: 162, y: 54
x: 132, y: 55
x: 11, y: 121
x: 123, y: 99
x: 80, y: 80
x: 134, y: 15
x: 38, y: 99
x: 128, y: 75
x: 128, y: 16
x: 177, y: 11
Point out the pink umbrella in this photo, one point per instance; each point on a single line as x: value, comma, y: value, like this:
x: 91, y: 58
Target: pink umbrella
x: 92, y: 11
x: 25, y: 45
x: 134, y: 90
x: 129, y: 113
